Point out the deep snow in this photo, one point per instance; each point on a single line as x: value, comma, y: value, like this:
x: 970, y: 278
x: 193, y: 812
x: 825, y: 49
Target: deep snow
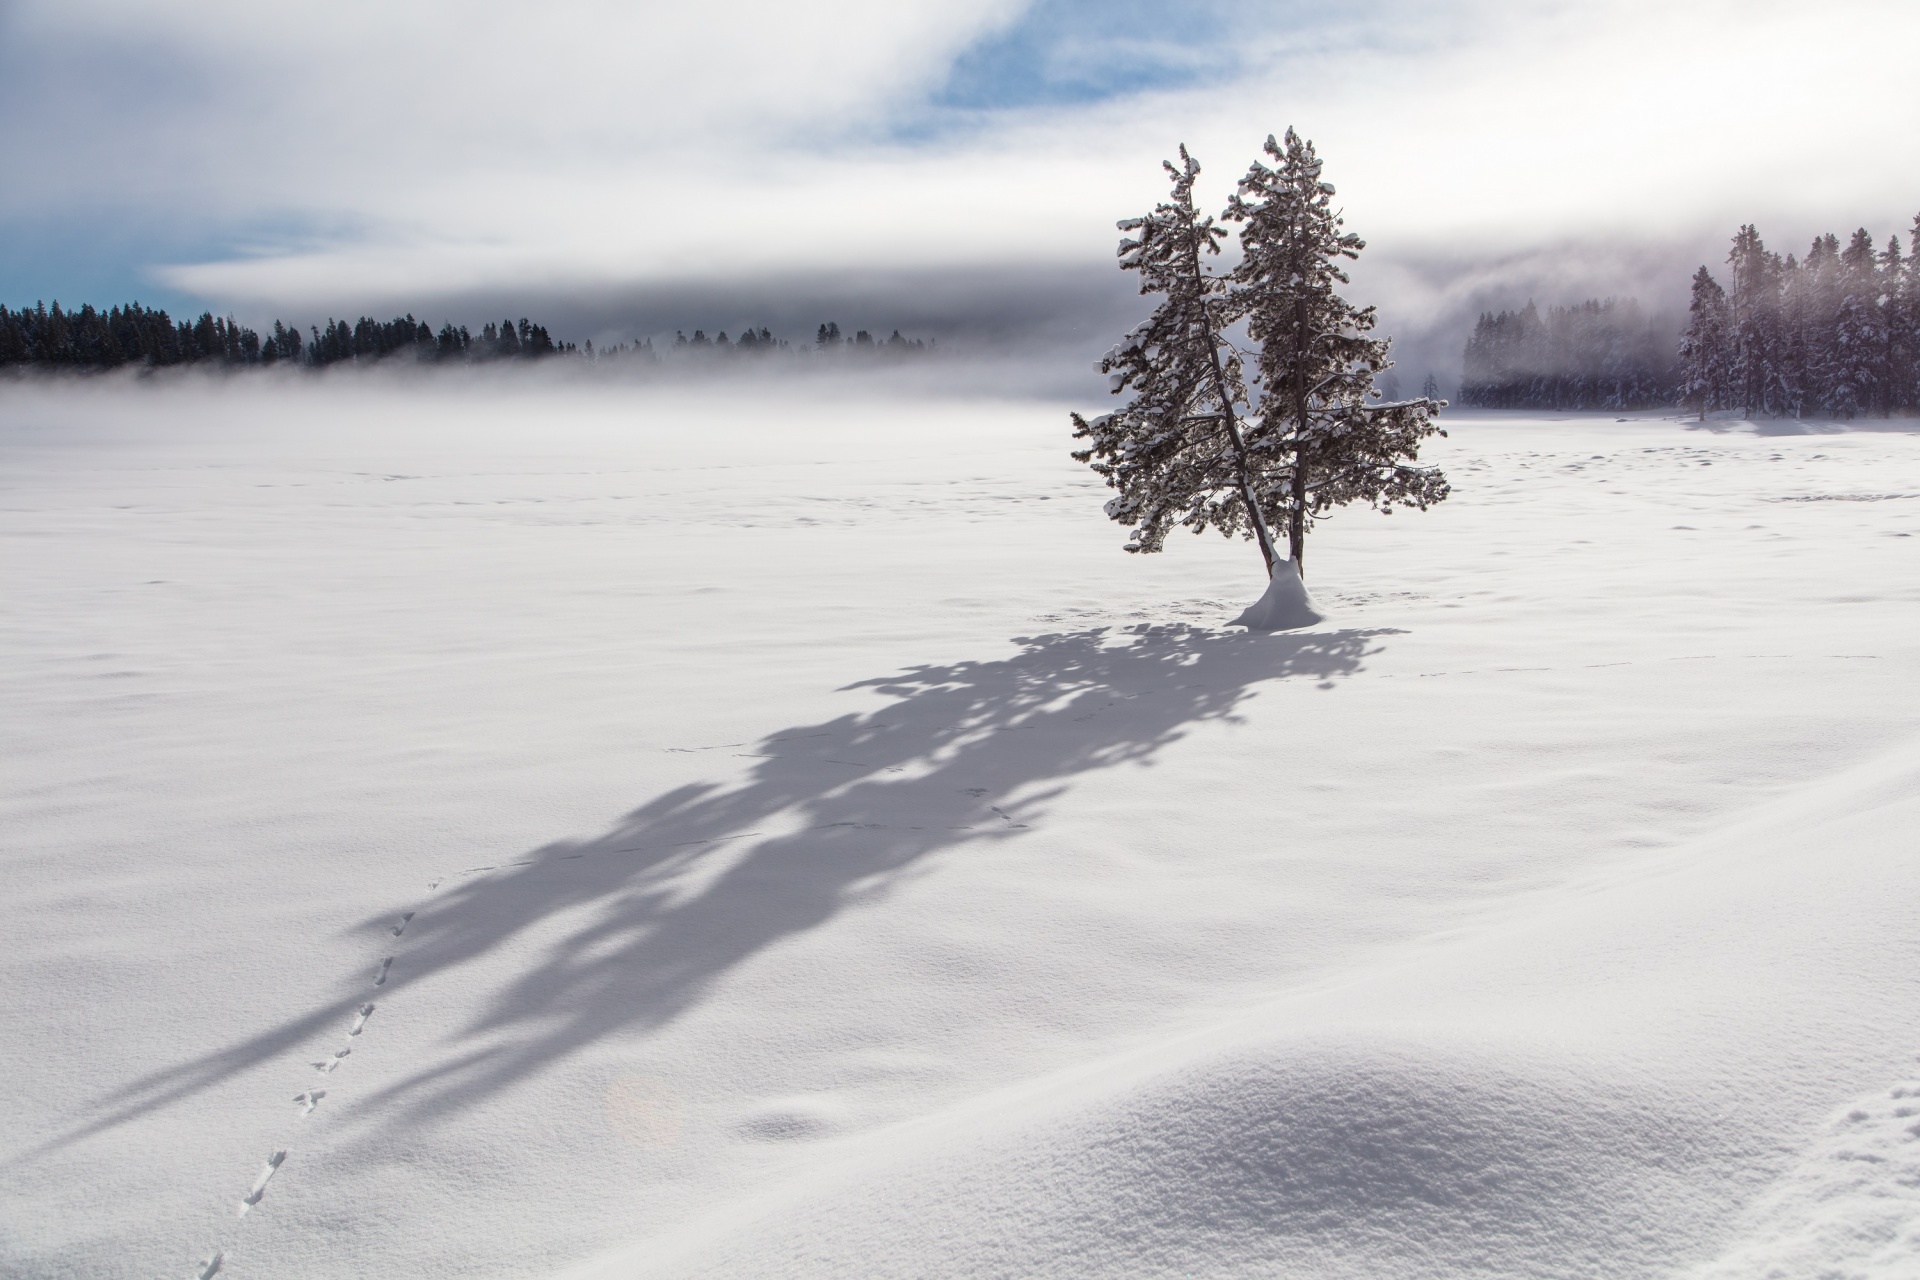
x: 828, y: 854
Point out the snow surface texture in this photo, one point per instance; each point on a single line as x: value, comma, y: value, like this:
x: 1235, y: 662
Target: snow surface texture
x: 1283, y: 606
x: 514, y: 832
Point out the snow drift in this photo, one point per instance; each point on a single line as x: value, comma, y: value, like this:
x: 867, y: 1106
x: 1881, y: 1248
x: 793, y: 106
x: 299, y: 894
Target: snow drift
x: 1284, y: 606
x: 685, y: 835
x: 1594, y: 1089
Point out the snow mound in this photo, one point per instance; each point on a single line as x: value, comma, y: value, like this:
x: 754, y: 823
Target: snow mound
x: 1310, y: 1159
x: 1849, y: 1207
x: 1636, y: 1076
x: 1285, y: 606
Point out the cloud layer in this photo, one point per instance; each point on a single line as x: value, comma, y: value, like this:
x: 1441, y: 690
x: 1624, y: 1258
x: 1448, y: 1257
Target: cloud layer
x: 365, y: 155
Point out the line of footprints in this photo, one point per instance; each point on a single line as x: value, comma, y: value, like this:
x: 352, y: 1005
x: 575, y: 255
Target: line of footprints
x: 308, y: 1099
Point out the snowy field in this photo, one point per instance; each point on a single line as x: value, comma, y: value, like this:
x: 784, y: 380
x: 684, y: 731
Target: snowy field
x: 606, y: 834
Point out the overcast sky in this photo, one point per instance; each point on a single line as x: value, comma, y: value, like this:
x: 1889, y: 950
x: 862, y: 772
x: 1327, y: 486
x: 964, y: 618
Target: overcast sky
x: 627, y: 163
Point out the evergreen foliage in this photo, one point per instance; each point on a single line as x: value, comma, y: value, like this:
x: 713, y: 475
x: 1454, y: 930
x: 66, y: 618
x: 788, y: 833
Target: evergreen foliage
x: 142, y: 337
x: 1175, y: 453
x: 1322, y: 441
x: 1831, y: 334
x: 1705, y: 374
x: 137, y: 335
x: 133, y: 334
x: 1596, y: 355
x: 1200, y: 445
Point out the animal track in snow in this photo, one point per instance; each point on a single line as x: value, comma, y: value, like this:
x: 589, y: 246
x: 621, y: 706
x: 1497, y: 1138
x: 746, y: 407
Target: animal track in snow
x: 309, y: 1100
x: 380, y: 979
x: 259, y: 1190
x: 360, y: 1020
x: 402, y: 926
x: 328, y: 1064
x: 211, y: 1267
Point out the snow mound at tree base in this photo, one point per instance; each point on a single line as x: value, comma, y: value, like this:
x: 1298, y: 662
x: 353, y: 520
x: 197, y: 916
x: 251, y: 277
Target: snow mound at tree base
x: 1285, y: 606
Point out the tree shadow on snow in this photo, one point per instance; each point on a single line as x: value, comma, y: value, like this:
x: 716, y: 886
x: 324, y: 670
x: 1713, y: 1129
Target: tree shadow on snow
x: 1763, y: 426
x: 636, y: 924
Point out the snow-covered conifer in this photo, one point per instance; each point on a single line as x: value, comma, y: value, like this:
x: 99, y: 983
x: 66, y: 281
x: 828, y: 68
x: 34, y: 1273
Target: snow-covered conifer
x: 1192, y: 447
x: 1321, y: 438
x: 1859, y: 340
x: 1816, y: 292
x: 1175, y: 452
x: 1704, y: 350
x: 1895, y: 328
x: 1907, y: 326
x: 1754, y: 302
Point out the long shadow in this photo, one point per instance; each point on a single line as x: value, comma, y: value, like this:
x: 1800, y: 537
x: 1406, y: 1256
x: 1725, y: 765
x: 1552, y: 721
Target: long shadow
x: 701, y: 878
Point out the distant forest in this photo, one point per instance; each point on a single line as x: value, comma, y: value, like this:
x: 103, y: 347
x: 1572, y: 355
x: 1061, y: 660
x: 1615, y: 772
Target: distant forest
x: 827, y: 336
x: 1836, y: 333
x: 138, y: 336
x: 1597, y: 355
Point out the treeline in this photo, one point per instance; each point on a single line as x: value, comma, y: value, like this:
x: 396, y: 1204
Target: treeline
x: 1596, y: 355
x: 1836, y: 333
x: 137, y: 335
x: 760, y: 342
x: 374, y: 339
x: 133, y: 334
x: 145, y: 337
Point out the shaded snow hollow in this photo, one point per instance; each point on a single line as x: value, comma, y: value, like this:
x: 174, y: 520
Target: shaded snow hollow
x: 497, y: 831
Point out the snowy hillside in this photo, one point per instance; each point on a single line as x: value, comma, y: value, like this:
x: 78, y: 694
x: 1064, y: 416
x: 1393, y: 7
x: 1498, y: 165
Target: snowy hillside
x: 603, y: 834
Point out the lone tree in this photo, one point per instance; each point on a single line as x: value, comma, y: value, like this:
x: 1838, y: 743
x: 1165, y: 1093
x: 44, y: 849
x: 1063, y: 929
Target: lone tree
x: 1176, y: 453
x: 1195, y: 446
x: 1323, y: 441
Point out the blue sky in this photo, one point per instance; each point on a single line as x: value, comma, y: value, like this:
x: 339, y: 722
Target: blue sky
x: 1062, y: 52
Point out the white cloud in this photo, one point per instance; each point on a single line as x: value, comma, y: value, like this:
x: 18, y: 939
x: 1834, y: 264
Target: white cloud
x: 589, y: 143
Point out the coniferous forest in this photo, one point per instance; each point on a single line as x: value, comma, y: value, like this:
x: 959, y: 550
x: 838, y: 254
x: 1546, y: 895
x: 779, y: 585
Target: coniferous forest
x: 1596, y: 355
x: 1833, y: 334
x: 142, y: 336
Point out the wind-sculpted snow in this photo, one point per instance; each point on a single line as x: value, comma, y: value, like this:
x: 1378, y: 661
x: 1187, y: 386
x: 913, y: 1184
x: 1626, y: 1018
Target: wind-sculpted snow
x: 1594, y: 1089
x: 499, y: 831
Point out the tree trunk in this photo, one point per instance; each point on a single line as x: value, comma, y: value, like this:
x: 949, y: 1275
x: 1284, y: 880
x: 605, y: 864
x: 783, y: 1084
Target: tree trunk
x: 1260, y: 533
x: 1297, y: 518
x: 1243, y: 472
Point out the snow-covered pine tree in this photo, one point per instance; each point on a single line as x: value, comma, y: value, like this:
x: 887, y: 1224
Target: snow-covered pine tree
x: 1896, y: 327
x: 1798, y: 341
x: 1430, y: 389
x: 1818, y: 317
x: 1753, y: 297
x: 1320, y: 438
x: 1704, y: 350
x: 1859, y: 342
x: 1176, y: 452
x: 1909, y: 325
